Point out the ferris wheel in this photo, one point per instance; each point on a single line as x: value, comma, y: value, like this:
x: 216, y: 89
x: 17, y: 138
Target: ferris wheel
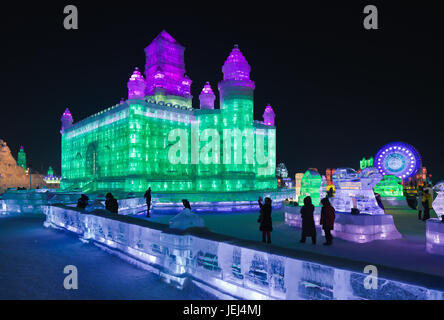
x: 399, y: 159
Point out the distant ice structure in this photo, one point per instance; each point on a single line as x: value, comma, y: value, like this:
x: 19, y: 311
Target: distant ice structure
x: 227, y: 266
x: 186, y: 219
x: 438, y: 204
x: 435, y: 236
x: 356, y: 190
x: 311, y: 186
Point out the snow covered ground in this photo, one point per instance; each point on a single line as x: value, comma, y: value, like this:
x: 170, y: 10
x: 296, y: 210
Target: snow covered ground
x: 32, y: 259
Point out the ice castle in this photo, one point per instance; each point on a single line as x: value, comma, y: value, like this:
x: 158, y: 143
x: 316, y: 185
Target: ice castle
x: 157, y: 138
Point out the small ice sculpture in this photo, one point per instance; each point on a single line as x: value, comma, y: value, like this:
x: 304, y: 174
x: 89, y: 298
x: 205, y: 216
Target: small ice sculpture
x: 96, y: 205
x: 186, y: 219
x: 355, y: 190
x: 438, y: 204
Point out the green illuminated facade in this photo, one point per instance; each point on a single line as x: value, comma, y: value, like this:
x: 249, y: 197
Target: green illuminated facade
x: 390, y: 186
x: 21, y: 158
x: 311, y: 186
x: 152, y: 140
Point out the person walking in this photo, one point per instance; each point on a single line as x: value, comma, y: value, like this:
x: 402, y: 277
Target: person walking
x: 327, y: 220
x: 111, y: 203
x: 308, y: 224
x: 147, y: 197
x: 427, y: 202
x: 419, y: 197
x: 266, y: 225
x: 379, y: 200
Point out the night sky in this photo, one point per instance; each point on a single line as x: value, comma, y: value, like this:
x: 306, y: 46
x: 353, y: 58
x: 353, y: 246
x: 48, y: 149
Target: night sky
x: 340, y: 92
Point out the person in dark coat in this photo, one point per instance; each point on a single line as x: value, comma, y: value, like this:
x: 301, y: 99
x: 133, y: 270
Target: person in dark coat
x: 379, y: 200
x: 327, y: 220
x: 308, y: 224
x: 83, y: 201
x: 111, y: 203
x: 147, y: 197
x: 266, y: 225
x: 427, y: 201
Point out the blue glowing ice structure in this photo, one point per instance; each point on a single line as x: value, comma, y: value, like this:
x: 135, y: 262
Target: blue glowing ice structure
x: 435, y: 236
x: 353, y: 190
x: 33, y: 201
x: 227, y: 268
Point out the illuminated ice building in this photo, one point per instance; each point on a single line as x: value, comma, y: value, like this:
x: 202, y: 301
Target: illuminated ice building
x: 157, y: 138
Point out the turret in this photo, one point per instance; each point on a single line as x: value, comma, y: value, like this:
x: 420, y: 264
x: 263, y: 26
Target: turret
x: 21, y: 158
x: 269, y: 116
x: 236, y: 89
x: 165, y: 69
x: 136, y: 85
x: 66, y: 120
x: 207, y: 97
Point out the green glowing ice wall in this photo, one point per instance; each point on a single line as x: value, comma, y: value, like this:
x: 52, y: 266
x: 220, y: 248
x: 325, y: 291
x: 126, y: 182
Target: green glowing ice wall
x: 126, y: 148
x: 390, y: 186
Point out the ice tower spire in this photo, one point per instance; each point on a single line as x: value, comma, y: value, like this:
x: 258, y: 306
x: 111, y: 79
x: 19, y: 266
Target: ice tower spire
x: 236, y: 90
x: 21, y: 158
x: 66, y: 120
x: 269, y: 116
x: 236, y: 66
x: 136, y: 85
x: 165, y: 69
x: 207, y: 97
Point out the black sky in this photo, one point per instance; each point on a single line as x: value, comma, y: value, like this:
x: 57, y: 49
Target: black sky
x: 340, y: 92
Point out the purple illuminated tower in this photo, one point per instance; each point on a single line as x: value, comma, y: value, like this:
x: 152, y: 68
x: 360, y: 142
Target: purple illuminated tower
x: 236, y: 90
x: 66, y: 120
x: 269, y: 116
x: 165, y: 71
x: 207, y: 97
x: 136, y: 85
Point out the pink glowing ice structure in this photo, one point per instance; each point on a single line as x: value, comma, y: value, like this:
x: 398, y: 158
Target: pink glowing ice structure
x: 136, y: 85
x: 66, y: 120
x: 269, y: 116
x: 165, y: 67
x: 207, y: 97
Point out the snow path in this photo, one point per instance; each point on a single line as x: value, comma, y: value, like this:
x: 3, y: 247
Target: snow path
x: 32, y: 259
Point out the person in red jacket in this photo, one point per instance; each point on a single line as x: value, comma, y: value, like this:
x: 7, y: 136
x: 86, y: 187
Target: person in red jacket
x: 327, y: 220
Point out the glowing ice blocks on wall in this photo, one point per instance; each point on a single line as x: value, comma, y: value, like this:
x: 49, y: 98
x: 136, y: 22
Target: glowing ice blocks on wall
x: 226, y: 267
x: 311, y: 186
x: 438, y: 204
x: 390, y: 186
x: 353, y: 189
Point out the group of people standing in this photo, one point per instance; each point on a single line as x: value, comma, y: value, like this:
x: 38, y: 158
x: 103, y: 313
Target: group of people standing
x: 111, y: 203
x: 425, y: 200
x: 308, y: 225
x: 327, y: 220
